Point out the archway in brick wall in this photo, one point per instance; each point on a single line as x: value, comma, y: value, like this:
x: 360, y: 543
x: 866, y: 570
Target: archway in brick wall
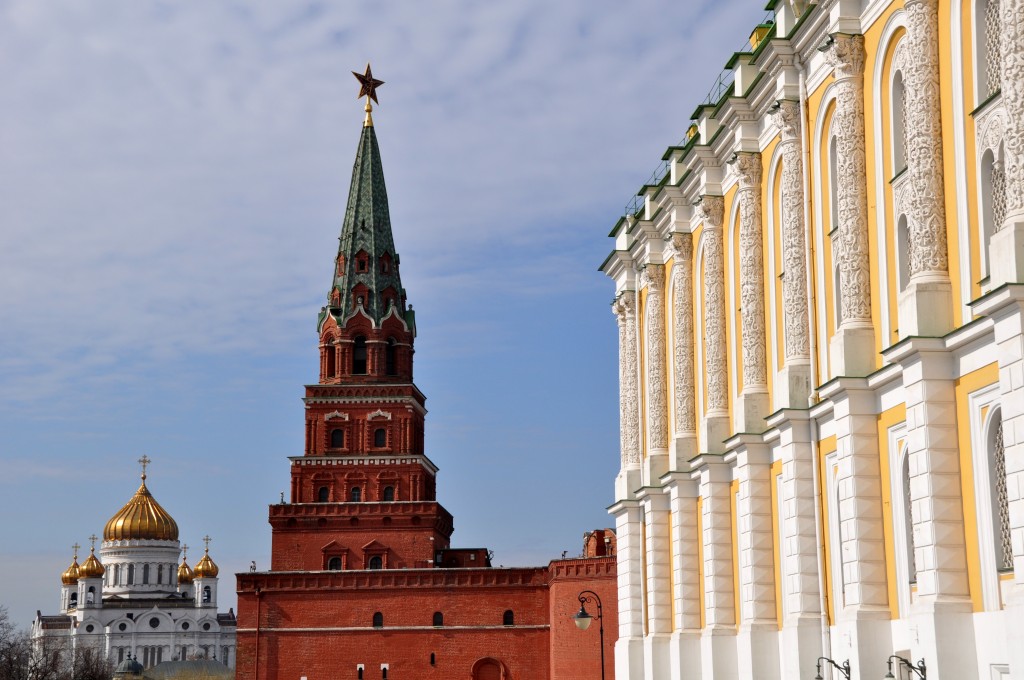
x: 488, y: 669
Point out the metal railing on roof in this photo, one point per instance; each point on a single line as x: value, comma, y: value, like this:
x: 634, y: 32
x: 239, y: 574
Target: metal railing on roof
x: 723, y: 83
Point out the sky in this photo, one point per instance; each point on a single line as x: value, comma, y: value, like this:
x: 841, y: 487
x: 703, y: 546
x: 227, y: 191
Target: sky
x: 173, y: 177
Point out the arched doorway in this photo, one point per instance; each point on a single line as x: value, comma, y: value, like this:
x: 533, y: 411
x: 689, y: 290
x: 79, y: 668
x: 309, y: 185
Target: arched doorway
x: 488, y: 669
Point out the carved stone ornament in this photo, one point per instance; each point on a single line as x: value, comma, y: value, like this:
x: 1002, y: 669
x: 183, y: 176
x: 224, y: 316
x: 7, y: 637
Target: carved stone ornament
x: 379, y: 414
x: 710, y: 210
x: 336, y: 414
x: 715, y: 366
x: 851, y: 244
x: 794, y: 257
x: 1012, y: 84
x: 752, y: 333
x: 629, y: 405
x: 923, y: 129
x: 683, y: 386
x: 653, y: 277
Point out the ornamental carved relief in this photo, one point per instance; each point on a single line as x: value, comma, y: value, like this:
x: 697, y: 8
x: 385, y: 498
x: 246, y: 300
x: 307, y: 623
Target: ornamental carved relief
x: 752, y: 334
x: 923, y: 128
x: 629, y: 405
x: 711, y: 208
x: 847, y: 58
x: 653, y: 276
x: 794, y: 258
x: 683, y: 387
x: 1012, y: 84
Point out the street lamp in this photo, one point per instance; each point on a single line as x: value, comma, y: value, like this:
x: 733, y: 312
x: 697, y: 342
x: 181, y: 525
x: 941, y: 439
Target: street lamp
x: 583, y: 619
x: 919, y: 669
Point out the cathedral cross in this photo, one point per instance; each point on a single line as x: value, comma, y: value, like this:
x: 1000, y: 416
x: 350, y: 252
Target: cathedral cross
x: 92, y: 542
x: 144, y: 461
x: 75, y: 547
x: 206, y: 540
x: 184, y: 551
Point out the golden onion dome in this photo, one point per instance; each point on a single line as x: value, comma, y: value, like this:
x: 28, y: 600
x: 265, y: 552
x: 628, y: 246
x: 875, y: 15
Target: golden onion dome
x: 141, y: 518
x: 185, y: 575
x: 206, y: 567
x: 91, y: 568
x: 70, y: 575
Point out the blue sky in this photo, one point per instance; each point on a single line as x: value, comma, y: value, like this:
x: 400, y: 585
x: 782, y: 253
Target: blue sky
x: 172, y: 182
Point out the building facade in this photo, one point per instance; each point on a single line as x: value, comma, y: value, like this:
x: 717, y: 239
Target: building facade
x: 819, y: 307
x: 363, y: 581
x: 135, y: 600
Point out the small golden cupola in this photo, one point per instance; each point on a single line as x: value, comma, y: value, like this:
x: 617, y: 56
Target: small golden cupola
x: 185, y: 573
x: 91, y: 568
x: 206, y: 567
x: 70, y: 575
x: 141, y: 518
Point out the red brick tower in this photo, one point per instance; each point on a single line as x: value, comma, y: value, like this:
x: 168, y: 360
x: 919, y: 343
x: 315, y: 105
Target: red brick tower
x: 363, y: 494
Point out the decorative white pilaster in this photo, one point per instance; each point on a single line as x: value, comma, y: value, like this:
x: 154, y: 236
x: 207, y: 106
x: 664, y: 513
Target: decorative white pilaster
x: 684, y: 436
x: 714, y: 422
x: 793, y: 386
x: 926, y: 305
x: 718, y: 641
x: 752, y: 405
x: 801, y: 611
x: 629, y: 402
x: 757, y: 643
x: 656, y: 399
x: 629, y: 652
x: 655, y: 504
x: 860, y: 598
x: 852, y: 351
x: 687, y: 590
x: 943, y: 596
x: 1006, y: 249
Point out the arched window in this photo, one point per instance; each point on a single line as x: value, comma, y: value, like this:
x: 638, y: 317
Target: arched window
x: 323, y: 494
x: 357, y: 494
x: 380, y: 437
x: 390, y: 364
x: 330, y: 369
x: 438, y: 619
x: 378, y: 620
x: 1000, y: 498
x: 145, y: 574
x: 389, y: 493
x: 74, y: 599
x: 376, y: 562
x: 508, y: 618
x: 334, y: 564
x: 337, y: 438
x: 908, y: 520
x: 359, y: 356
x: 90, y: 597
x: 993, y: 201
x: 899, y: 117
x: 433, y: 659
x: 159, y: 573
x: 833, y: 180
x: 207, y: 593
x: 131, y: 574
x: 903, y: 252
x: 117, y: 574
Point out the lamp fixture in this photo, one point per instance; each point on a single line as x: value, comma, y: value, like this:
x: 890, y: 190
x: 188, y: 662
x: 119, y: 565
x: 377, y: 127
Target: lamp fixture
x: 919, y: 669
x: 826, y: 44
x: 844, y: 669
x: 583, y: 619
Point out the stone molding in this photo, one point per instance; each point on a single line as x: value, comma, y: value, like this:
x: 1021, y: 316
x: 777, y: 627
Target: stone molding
x: 629, y: 404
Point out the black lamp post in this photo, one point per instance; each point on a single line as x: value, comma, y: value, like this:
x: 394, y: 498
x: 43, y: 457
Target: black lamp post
x: 844, y: 668
x: 583, y: 618
x: 919, y: 669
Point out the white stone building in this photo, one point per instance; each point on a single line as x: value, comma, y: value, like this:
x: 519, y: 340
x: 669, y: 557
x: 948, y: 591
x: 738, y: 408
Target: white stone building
x: 136, y: 599
x: 820, y: 304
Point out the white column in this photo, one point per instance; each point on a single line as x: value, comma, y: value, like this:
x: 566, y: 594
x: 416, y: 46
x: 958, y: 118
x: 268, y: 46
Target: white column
x: 752, y: 405
x: 801, y: 611
x: 926, y: 305
x: 852, y: 351
x: 687, y: 589
x: 718, y: 641
x: 757, y: 642
x: 714, y: 422
x: 629, y: 652
x: 658, y: 557
x: 794, y: 381
x: 684, y: 436
x: 656, y: 395
x: 629, y: 402
x: 940, y: 553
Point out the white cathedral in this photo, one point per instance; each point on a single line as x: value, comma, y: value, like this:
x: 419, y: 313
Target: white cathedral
x: 135, y: 599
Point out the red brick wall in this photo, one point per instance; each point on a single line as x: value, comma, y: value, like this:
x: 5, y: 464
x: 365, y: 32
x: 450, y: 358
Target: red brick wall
x: 576, y: 653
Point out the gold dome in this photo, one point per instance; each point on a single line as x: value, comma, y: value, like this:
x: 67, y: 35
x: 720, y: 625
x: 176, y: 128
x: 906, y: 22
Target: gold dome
x: 91, y: 568
x: 185, y: 575
x: 206, y: 568
x: 70, y: 575
x: 141, y: 518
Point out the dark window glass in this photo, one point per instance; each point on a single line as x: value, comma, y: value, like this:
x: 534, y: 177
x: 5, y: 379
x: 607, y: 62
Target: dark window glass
x: 359, y: 356
x: 322, y: 494
x: 438, y: 619
x: 389, y: 358
x: 337, y: 439
x: 380, y: 437
x: 508, y: 618
x: 357, y: 494
x: 334, y: 564
x: 378, y: 620
x: 376, y: 562
x: 389, y: 493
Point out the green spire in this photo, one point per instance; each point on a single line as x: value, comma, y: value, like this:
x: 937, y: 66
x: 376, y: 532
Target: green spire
x: 367, y: 266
